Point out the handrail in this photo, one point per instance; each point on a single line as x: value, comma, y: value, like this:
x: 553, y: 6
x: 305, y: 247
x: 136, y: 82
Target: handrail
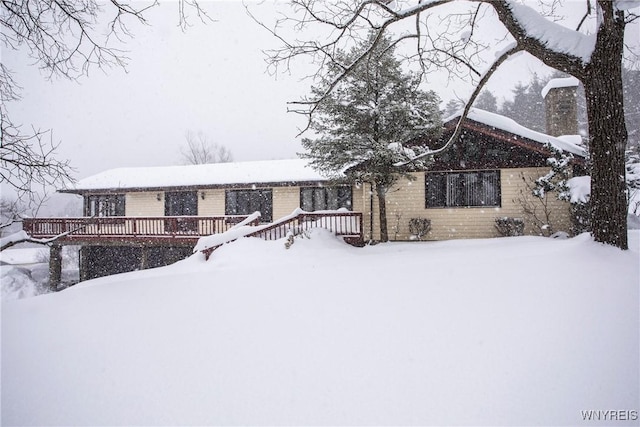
x: 338, y: 222
x: 121, y: 226
x: 344, y: 224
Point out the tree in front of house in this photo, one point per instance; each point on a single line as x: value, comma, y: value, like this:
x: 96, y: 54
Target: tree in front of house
x: 448, y: 36
x: 365, y: 121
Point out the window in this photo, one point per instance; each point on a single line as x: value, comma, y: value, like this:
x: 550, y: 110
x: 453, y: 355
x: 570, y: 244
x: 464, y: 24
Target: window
x: 104, y: 205
x: 181, y: 203
x: 457, y: 189
x: 245, y: 202
x: 325, y: 198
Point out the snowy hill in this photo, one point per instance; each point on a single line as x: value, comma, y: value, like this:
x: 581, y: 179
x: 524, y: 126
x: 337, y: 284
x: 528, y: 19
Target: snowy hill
x: 504, y: 331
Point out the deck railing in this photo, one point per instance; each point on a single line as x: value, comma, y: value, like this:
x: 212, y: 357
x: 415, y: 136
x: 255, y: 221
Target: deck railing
x: 346, y: 224
x: 188, y: 229
x: 130, y: 227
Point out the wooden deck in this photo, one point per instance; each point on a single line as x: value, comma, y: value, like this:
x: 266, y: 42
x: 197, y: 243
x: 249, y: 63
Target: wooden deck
x: 182, y: 230
x: 104, y: 230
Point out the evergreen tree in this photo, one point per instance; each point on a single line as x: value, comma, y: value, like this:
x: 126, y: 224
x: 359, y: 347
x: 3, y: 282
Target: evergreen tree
x: 487, y: 101
x: 527, y: 107
x: 453, y: 106
x: 366, y: 120
x: 510, y: 108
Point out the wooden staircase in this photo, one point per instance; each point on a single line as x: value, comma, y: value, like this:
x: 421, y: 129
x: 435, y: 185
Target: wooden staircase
x: 347, y: 225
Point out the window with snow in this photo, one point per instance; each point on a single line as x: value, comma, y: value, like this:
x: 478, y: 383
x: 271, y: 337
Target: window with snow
x: 245, y: 202
x: 462, y: 189
x: 100, y: 205
x: 325, y: 198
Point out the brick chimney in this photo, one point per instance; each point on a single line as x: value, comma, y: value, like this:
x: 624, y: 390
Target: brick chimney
x: 561, y: 106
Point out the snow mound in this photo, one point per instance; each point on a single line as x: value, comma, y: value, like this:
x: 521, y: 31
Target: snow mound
x: 511, y: 331
x: 18, y: 283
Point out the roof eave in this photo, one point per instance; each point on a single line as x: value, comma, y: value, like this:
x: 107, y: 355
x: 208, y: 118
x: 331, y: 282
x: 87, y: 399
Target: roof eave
x: 508, y: 137
x: 200, y: 187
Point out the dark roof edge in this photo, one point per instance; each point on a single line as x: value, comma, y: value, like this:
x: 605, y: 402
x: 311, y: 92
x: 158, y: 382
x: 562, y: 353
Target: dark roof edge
x: 194, y: 187
x: 508, y: 137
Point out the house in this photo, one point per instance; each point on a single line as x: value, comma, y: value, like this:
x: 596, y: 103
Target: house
x: 148, y: 217
x: 152, y: 216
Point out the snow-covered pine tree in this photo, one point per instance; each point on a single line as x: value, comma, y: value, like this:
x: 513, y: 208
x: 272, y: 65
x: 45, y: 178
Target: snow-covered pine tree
x: 365, y: 123
x: 557, y: 180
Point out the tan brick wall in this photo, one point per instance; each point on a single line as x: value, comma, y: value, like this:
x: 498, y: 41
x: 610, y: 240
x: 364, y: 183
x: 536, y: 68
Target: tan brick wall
x: 144, y: 204
x: 515, y: 189
x: 406, y: 200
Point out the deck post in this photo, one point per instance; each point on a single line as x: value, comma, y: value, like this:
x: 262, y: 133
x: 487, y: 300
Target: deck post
x: 144, y: 258
x: 55, y: 266
x: 84, y: 263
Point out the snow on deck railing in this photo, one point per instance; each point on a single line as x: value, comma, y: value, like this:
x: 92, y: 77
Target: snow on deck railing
x: 341, y: 222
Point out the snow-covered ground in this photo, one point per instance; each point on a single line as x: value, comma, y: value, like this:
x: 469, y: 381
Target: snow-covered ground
x: 509, y: 331
x: 24, y: 272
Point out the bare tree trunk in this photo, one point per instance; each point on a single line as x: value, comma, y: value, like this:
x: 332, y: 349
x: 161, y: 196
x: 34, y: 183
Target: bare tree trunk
x: 381, y: 192
x: 607, y: 136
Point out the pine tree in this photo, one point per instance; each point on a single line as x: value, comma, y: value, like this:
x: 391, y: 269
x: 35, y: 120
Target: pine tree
x: 487, y: 101
x: 527, y: 107
x: 454, y: 106
x: 365, y: 122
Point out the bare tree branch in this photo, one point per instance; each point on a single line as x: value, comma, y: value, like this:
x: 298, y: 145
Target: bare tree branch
x: 200, y: 150
x: 374, y: 16
x: 465, y: 112
x: 65, y: 38
x: 23, y: 237
x: 562, y: 61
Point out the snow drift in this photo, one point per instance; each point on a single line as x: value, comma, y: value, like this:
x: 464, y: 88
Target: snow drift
x: 511, y: 331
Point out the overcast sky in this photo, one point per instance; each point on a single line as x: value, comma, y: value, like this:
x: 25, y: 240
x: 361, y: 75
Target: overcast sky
x: 211, y: 78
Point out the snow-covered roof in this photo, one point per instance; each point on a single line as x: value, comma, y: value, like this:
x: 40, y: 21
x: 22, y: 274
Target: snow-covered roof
x: 558, y: 83
x: 509, y: 125
x: 270, y: 171
x: 255, y: 172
